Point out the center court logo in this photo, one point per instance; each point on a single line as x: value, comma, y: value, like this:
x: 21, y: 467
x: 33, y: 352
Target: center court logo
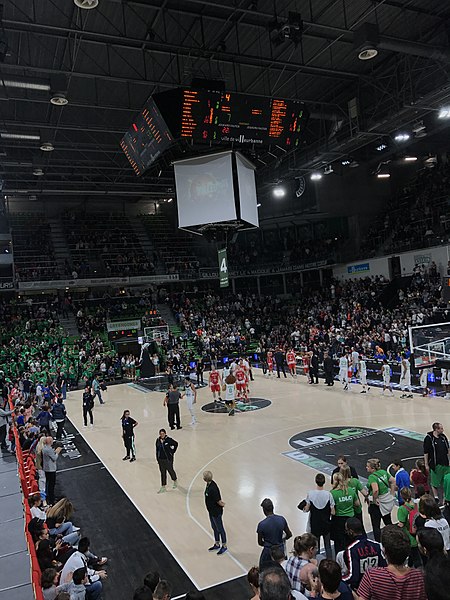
x: 330, y: 435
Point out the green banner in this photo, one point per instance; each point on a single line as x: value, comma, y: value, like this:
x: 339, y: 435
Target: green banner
x: 223, y: 267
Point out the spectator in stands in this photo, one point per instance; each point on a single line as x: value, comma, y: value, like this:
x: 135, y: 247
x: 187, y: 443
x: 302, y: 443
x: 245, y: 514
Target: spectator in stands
x: 430, y: 543
x: 329, y: 583
x: 320, y: 505
x: 274, y: 584
x: 305, y: 550
x: 163, y: 590
x: 253, y: 580
x: 395, y: 580
x: 437, y: 578
x: 78, y: 560
x: 361, y: 554
x: 49, y: 458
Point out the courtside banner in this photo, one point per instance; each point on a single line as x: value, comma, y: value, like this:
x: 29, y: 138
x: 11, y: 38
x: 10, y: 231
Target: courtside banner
x: 223, y: 267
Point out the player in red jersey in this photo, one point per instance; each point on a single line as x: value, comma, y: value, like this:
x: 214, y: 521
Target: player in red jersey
x: 215, y: 383
x: 241, y: 383
x: 291, y: 363
x: 269, y: 363
x: 305, y: 361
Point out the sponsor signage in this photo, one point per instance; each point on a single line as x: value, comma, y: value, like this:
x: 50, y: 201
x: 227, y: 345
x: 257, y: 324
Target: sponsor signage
x: 422, y: 259
x: 318, y: 437
x: 361, y: 268
x: 264, y: 270
x: 123, y: 325
x: 6, y: 285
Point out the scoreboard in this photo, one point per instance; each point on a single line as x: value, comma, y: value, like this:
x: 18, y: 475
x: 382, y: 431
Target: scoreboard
x: 147, y: 138
x: 226, y: 117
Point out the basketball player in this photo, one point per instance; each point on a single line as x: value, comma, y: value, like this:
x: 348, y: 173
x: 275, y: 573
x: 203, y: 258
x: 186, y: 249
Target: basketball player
x: 306, y: 360
x: 385, y: 372
x: 343, y: 371
x: 291, y: 363
x: 214, y: 383
x: 424, y: 380
x: 445, y: 382
x: 362, y: 373
x: 270, y: 363
x: 230, y: 394
x: 405, y: 378
x: 190, y: 392
x: 355, y: 361
x: 241, y: 383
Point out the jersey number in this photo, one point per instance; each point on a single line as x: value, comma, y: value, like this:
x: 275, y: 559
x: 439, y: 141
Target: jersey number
x: 368, y: 563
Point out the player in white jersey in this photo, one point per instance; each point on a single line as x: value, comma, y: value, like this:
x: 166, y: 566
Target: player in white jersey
x: 405, y: 378
x: 190, y: 392
x: 362, y: 374
x: 385, y: 372
x: 343, y: 371
x: 355, y: 361
x: 445, y: 381
x: 424, y: 380
x: 230, y: 394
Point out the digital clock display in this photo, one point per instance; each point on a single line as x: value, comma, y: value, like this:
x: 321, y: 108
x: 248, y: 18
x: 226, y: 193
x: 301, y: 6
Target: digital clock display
x: 147, y: 138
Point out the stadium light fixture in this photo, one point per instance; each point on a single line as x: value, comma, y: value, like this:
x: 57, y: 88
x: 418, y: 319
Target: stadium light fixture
x: 381, y: 147
x: 258, y: 205
x: 19, y: 136
x: 402, y: 137
x: 279, y: 192
x: 444, y: 112
x: 316, y: 176
x: 383, y: 175
x: 410, y: 158
x: 26, y: 85
x: 345, y: 162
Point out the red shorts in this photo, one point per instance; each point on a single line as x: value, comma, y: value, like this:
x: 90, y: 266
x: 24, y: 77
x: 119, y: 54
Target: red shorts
x: 215, y: 387
x: 291, y: 365
x: 270, y: 365
x: 241, y: 387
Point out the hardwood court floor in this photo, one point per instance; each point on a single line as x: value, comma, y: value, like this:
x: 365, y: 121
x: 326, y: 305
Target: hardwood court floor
x: 245, y: 454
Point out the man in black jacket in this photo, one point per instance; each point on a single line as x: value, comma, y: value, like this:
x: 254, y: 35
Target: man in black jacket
x: 314, y: 368
x: 279, y: 362
x: 328, y: 368
x: 88, y: 405
x: 165, y: 450
x: 435, y: 455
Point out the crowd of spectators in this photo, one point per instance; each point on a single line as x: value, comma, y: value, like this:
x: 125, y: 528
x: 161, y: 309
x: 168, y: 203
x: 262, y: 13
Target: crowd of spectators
x: 418, y: 216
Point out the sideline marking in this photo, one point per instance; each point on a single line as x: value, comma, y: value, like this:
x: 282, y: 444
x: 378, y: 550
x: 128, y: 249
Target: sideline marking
x: 79, y: 467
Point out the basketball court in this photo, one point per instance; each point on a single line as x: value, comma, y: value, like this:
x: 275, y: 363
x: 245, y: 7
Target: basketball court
x: 273, y: 450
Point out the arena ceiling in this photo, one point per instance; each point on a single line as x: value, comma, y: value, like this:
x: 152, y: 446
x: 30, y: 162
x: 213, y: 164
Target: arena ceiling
x: 116, y: 55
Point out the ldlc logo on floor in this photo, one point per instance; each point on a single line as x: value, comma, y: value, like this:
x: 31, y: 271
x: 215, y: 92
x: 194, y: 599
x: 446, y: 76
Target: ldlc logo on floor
x: 318, y: 437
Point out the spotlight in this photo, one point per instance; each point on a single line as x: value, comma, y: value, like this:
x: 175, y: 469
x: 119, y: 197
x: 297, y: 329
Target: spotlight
x: 47, y: 147
x: 345, y: 162
x: 383, y: 175
x: 258, y: 205
x: 381, y: 147
x: 170, y: 200
x: 402, y: 137
x: 410, y: 158
x: 86, y: 4
x: 316, y: 176
x: 279, y: 192
x: 444, y: 112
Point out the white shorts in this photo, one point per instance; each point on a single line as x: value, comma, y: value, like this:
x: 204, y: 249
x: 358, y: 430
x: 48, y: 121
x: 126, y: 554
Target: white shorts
x: 386, y: 381
x: 424, y: 379
x: 363, y: 379
x: 343, y: 375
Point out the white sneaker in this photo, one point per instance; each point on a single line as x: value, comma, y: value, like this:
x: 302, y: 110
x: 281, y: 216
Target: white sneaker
x: 91, y: 425
x: 84, y: 425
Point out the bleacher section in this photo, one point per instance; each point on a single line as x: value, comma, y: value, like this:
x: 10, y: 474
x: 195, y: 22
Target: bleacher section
x: 105, y: 246
x: 34, y: 258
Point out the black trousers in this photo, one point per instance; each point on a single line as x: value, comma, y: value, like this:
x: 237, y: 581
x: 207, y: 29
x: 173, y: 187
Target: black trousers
x: 375, y: 517
x: 86, y: 412
x: 59, y: 429
x: 314, y: 374
x: 280, y: 366
x: 50, y: 481
x: 329, y: 379
x: 3, y: 437
x: 129, y: 445
x: 174, y: 415
x: 164, y: 466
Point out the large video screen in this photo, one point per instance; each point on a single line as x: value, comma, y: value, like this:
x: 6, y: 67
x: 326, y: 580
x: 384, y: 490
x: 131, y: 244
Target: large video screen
x: 247, y: 190
x: 205, y: 191
x: 147, y: 138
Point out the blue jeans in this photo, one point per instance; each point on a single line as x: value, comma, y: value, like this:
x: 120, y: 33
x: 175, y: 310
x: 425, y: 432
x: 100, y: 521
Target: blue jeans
x: 218, y: 529
x: 99, y: 394
x: 94, y: 590
x: 66, y: 530
x: 64, y: 391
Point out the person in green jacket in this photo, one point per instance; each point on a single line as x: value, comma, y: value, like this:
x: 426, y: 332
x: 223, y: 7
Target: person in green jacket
x: 404, y: 513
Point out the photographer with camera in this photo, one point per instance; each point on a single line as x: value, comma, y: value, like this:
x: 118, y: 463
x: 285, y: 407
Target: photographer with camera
x: 49, y: 458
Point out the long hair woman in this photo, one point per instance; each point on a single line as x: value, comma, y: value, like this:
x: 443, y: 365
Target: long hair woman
x: 128, y: 425
x: 381, y: 487
x: 345, y: 500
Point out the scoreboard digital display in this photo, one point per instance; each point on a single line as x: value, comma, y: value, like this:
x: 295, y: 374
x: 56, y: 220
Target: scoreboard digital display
x: 147, y: 138
x: 226, y: 117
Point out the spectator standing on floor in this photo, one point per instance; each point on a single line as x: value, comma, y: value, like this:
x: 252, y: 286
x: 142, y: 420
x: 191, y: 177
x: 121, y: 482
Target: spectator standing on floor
x: 320, y: 505
x: 274, y: 584
x: 88, y: 405
x: 361, y: 554
x: 199, y: 368
x: 401, y: 478
x: 314, y: 368
x: 381, y: 488
x: 49, y: 458
x: 272, y: 531
x: 172, y: 401
x: 405, y: 515
x: 4, y: 415
x: 342, y: 462
x: 435, y: 455
x: 214, y: 506
x: 96, y: 390
x: 165, y: 451
x: 59, y: 416
x: 328, y: 369
x: 128, y: 425
x: 279, y: 362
